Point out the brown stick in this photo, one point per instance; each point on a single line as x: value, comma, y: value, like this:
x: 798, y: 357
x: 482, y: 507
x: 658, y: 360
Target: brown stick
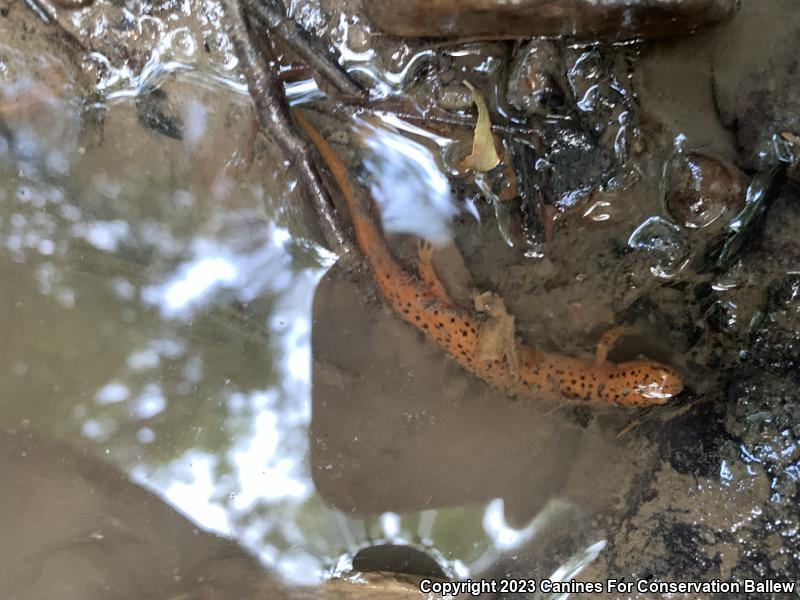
x: 274, y: 118
x: 405, y: 110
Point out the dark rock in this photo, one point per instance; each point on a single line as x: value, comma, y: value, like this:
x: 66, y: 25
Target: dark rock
x: 535, y: 82
x: 693, y: 440
x: 397, y: 558
x: 576, y: 163
x: 584, y: 19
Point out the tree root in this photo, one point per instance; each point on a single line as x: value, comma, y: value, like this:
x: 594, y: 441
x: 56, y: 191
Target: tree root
x: 270, y: 13
x: 274, y: 118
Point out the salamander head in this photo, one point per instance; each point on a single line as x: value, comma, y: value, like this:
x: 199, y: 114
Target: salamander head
x: 644, y: 383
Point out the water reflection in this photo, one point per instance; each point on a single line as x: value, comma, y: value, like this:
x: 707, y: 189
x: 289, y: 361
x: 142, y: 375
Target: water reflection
x: 179, y: 344
x: 163, y: 320
x: 407, y: 182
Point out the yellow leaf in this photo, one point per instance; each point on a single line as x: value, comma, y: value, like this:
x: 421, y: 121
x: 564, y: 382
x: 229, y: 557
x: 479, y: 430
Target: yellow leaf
x: 484, y: 152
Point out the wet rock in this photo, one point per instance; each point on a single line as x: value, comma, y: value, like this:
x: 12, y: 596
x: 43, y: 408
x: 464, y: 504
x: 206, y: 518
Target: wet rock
x: 755, y: 102
x: 584, y: 19
x: 534, y: 80
x: 577, y: 164
x: 693, y: 440
x: 397, y: 558
x: 702, y: 190
x: 454, y: 97
x: 600, y: 88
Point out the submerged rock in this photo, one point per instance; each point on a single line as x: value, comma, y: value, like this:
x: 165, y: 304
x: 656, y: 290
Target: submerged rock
x: 534, y: 83
x: 703, y: 190
x: 584, y: 19
x: 664, y: 244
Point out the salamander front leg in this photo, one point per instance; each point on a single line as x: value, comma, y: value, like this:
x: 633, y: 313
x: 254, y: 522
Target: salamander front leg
x: 606, y: 342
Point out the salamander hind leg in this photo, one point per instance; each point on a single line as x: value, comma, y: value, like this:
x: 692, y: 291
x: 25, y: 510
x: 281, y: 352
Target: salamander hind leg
x: 428, y: 274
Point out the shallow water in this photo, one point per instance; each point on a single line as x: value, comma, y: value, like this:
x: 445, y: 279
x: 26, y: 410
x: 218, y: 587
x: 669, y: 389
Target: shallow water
x: 168, y: 309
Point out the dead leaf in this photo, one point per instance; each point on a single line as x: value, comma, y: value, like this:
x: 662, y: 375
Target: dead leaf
x: 484, y: 155
x: 497, y: 339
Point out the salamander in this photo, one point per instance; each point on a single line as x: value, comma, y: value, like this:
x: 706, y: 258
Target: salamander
x: 422, y: 301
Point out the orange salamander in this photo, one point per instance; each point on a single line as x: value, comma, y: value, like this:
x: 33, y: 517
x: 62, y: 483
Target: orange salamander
x: 423, y: 302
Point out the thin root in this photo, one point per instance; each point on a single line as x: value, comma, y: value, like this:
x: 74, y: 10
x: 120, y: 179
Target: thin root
x: 271, y: 14
x: 273, y: 116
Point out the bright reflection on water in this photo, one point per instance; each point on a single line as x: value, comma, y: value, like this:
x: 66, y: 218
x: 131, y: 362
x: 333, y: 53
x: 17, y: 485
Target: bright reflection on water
x: 408, y: 185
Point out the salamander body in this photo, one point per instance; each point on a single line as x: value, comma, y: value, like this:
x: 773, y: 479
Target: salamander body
x: 423, y: 302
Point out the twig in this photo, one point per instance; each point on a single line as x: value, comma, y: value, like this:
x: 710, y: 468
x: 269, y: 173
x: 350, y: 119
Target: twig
x: 49, y: 14
x: 628, y: 428
x: 274, y: 118
x: 404, y: 110
x: 43, y: 9
x: 310, y: 49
